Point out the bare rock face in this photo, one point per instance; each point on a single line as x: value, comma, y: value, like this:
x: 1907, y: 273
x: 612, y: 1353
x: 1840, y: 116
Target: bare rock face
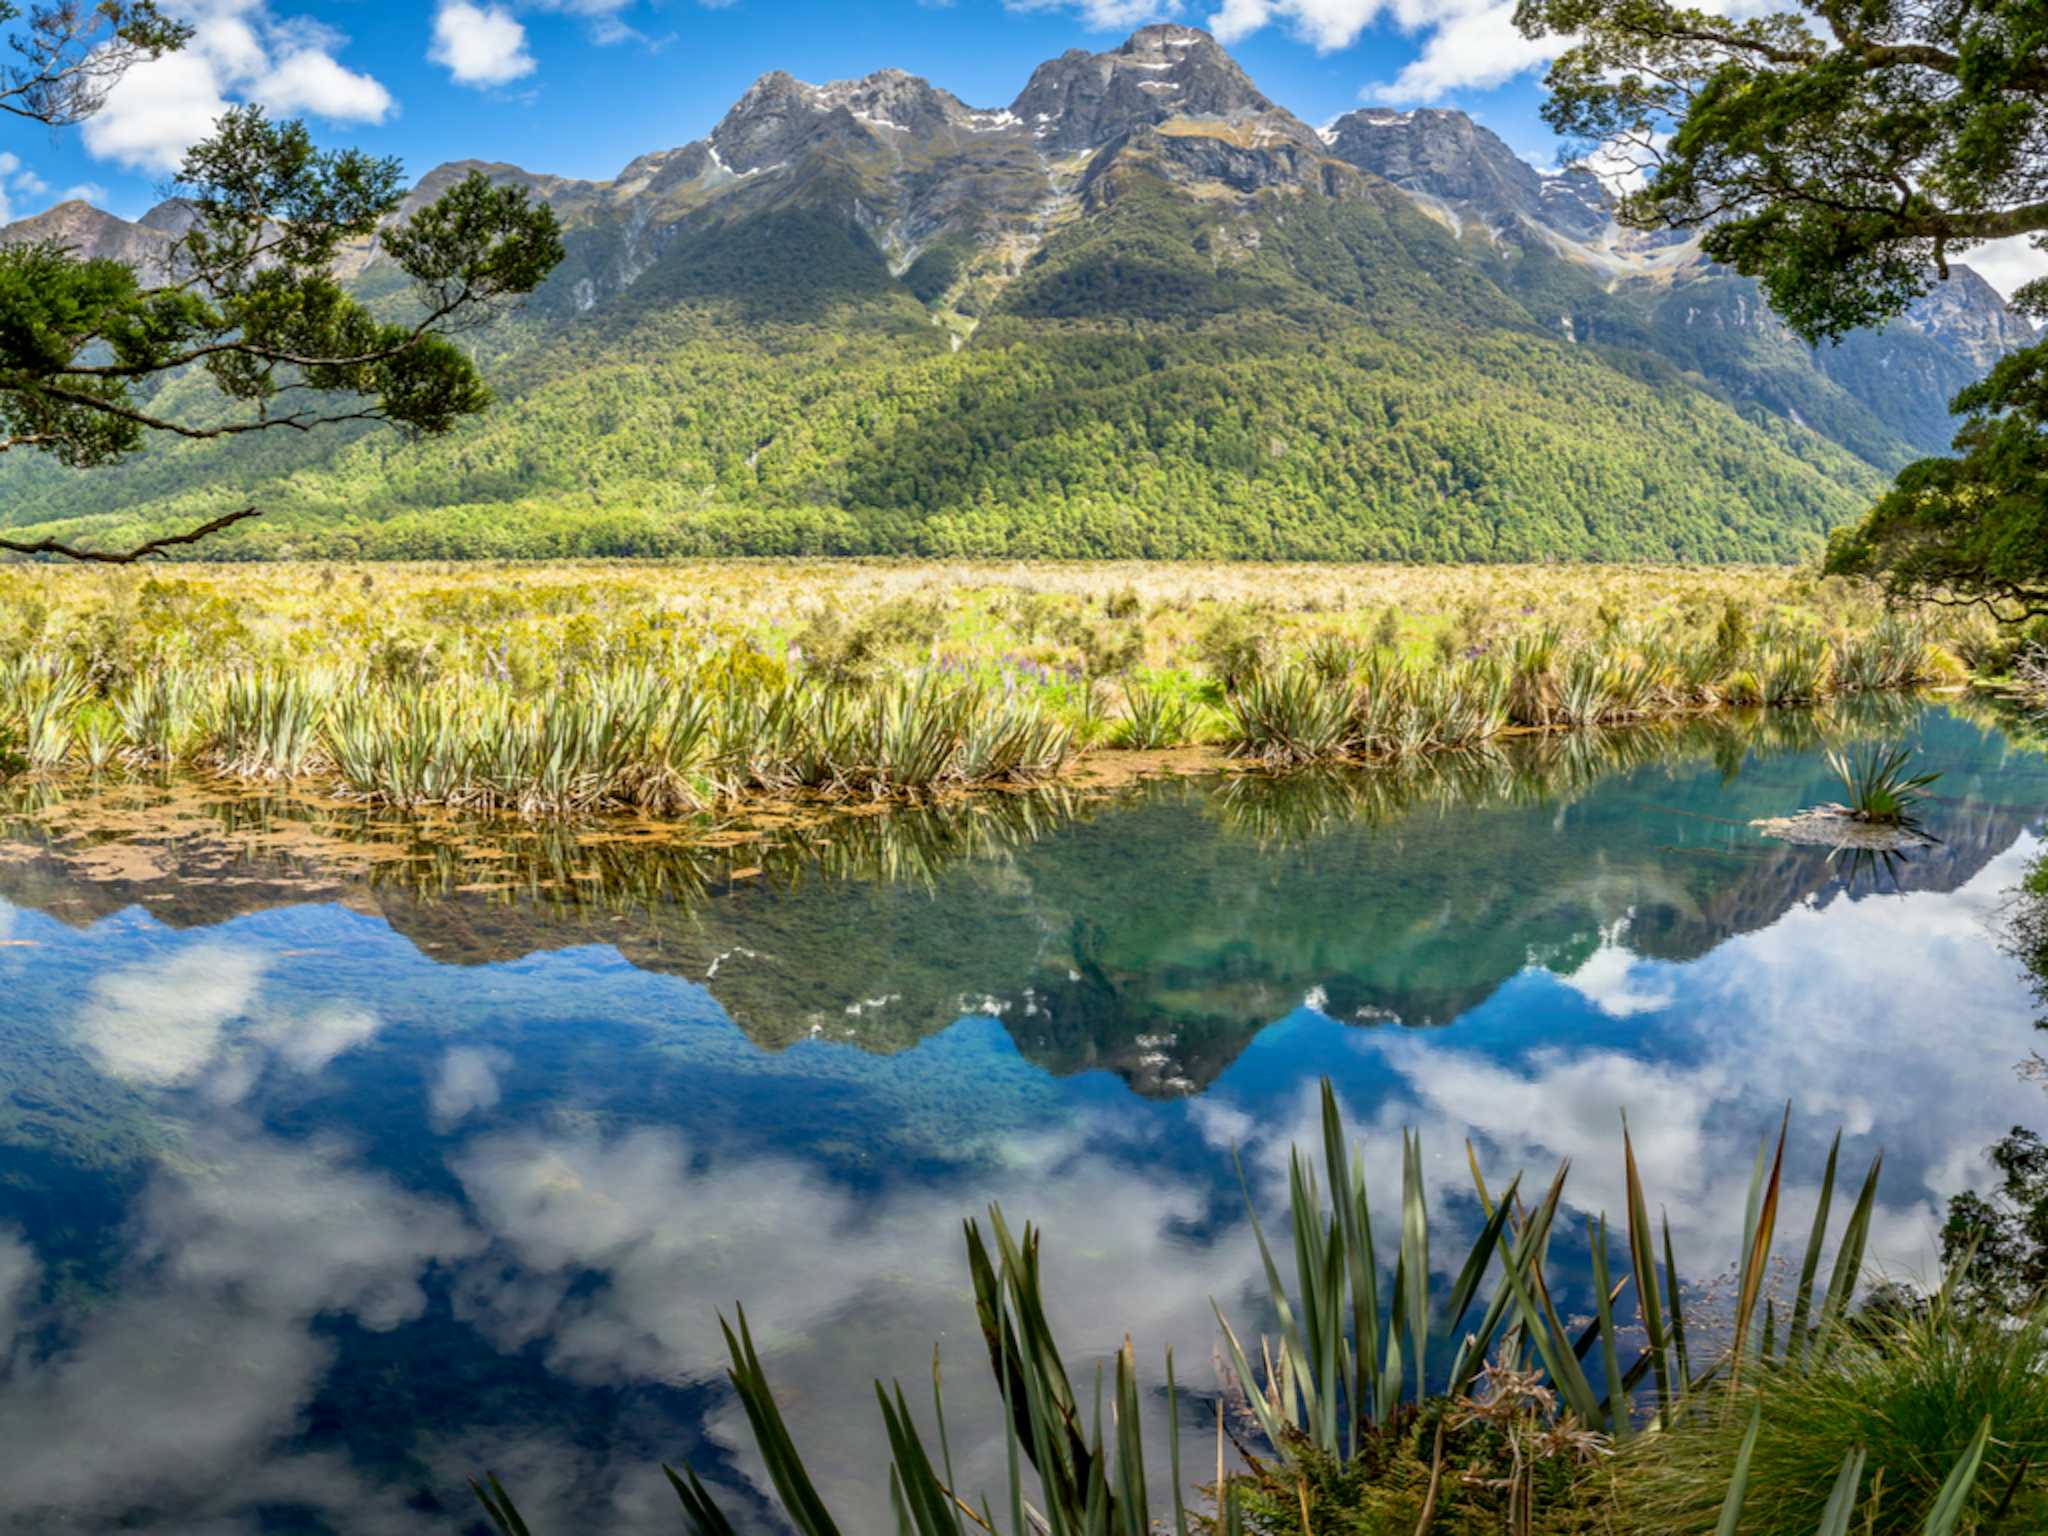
x: 1084, y: 100
x: 1440, y: 153
x: 91, y: 234
x: 1968, y: 317
x: 775, y: 115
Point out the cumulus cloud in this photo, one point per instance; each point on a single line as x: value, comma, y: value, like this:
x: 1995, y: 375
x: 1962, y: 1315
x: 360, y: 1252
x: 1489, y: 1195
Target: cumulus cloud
x: 1462, y: 44
x: 1105, y: 15
x: 839, y: 1285
x: 160, y: 1024
x: 16, y: 181
x: 467, y: 1084
x: 240, y: 52
x: 1760, y: 1019
x: 1613, y: 980
x: 206, y: 1355
x: 1469, y: 47
x: 480, y: 45
x: 1327, y: 24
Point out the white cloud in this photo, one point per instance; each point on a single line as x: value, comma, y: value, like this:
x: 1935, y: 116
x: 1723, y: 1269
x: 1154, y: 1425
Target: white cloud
x: 1469, y: 47
x: 160, y: 1024
x: 240, y: 52
x: 838, y: 1286
x: 607, y: 30
x: 1464, y: 44
x: 479, y: 44
x: 197, y: 1020
x: 1105, y: 15
x: 312, y: 82
x: 205, y: 1351
x: 1327, y: 24
x: 16, y: 180
x: 1613, y: 980
x: 84, y: 192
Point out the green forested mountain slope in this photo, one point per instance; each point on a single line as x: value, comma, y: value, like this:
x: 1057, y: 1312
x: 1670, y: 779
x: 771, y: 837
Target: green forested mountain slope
x: 864, y: 318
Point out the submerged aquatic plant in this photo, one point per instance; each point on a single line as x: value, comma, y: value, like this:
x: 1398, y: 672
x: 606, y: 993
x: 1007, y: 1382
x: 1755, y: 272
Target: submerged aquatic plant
x: 1879, y: 788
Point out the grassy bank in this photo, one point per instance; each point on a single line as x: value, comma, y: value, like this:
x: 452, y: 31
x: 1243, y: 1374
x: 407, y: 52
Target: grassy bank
x: 669, y: 688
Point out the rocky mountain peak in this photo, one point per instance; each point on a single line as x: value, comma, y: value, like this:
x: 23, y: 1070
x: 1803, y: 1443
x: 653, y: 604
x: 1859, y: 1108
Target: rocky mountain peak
x: 1438, y: 153
x: 1083, y: 100
x: 92, y: 233
x: 895, y: 99
x: 1966, y: 315
x: 777, y: 112
x: 171, y: 217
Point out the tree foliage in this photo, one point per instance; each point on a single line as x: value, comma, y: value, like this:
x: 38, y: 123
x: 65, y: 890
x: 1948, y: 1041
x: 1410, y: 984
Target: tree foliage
x: 1306, y: 383
x: 1970, y: 529
x: 1843, y: 153
x: 91, y: 349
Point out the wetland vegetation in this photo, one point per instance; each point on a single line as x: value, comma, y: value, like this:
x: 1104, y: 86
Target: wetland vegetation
x: 659, y: 691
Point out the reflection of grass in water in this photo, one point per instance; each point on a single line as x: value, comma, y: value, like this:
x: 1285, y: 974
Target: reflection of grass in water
x: 1297, y: 808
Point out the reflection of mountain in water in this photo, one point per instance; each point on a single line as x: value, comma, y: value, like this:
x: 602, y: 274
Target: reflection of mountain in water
x: 1153, y: 935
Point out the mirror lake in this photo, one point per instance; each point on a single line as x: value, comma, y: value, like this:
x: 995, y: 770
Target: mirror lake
x: 342, y: 1158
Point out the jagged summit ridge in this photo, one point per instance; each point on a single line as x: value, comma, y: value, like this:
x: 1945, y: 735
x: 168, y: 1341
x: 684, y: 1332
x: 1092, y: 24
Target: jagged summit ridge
x: 1084, y: 100
x: 1443, y: 154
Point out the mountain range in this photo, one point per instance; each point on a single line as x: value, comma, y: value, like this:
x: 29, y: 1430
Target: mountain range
x: 1141, y: 311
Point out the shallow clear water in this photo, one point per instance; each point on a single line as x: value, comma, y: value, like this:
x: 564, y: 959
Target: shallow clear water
x: 328, y: 1180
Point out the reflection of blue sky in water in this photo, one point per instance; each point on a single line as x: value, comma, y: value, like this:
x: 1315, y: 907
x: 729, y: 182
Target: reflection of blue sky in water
x: 298, y: 1220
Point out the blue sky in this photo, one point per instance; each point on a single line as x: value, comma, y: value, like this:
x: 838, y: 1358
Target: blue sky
x: 579, y: 87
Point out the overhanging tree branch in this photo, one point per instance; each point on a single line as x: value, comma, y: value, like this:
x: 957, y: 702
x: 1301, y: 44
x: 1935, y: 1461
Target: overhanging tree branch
x: 129, y: 556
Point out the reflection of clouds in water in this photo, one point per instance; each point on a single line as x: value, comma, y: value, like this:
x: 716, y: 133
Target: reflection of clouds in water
x: 1890, y: 1017
x: 19, y: 1271
x: 178, y: 1388
x: 839, y: 1286
x: 1617, y: 983
x: 466, y: 1084
x: 160, y: 1024
x: 309, y: 1042
x: 608, y: 1251
x: 195, y: 1019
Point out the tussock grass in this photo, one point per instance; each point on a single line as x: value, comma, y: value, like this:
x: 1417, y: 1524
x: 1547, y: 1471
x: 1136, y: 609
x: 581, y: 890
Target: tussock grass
x: 1908, y: 1389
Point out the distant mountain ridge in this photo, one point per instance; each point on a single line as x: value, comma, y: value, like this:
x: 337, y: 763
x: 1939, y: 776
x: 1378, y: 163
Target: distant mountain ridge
x: 1142, y: 309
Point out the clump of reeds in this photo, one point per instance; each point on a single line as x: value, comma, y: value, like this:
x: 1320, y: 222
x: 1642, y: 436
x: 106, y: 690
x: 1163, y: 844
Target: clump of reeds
x: 266, y: 724
x: 1155, y: 717
x: 1879, y: 787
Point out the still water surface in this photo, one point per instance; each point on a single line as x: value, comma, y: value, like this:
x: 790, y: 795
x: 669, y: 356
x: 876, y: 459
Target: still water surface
x: 327, y: 1181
